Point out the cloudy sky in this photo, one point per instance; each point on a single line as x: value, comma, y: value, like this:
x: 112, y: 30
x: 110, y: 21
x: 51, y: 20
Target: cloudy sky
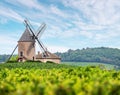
x: 71, y: 24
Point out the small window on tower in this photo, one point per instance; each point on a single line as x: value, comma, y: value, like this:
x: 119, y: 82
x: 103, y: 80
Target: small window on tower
x: 33, y: 45
x: 21, y: 53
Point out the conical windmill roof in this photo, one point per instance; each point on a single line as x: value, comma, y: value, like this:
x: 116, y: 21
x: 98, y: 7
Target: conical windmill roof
x: 26, y: 36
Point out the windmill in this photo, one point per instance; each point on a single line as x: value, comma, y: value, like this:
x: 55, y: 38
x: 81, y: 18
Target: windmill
x: 26, y: 45
x: 37, y: 34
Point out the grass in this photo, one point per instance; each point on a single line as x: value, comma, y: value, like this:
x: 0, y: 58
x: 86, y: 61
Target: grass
x: 38, y: 65
x: 107, y: 66
x: 35, y: 65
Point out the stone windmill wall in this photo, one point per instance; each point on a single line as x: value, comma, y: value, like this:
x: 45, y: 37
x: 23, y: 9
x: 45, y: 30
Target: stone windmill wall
x: 26, y: 47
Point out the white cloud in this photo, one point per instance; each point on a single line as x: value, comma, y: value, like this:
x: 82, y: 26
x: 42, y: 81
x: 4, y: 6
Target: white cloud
x: 87, y: 34
x: 106, y: 36
x: 85, y: 26
x: 3, y: 20
x: 35, y: 4
x: 7, y: 44
x: 30, y: 4
x: 97, y: 11
x: 89, y: 20
x: 57, y: 11
x: 53, y: 48
x: 9, y: 40
x: 9, y: 13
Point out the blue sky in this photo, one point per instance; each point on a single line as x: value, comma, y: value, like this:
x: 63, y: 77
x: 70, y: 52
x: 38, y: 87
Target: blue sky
x: 71, y: 24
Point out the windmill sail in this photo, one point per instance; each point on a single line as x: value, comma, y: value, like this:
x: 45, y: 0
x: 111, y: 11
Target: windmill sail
x: 12, y: 53
x: 36, y: 36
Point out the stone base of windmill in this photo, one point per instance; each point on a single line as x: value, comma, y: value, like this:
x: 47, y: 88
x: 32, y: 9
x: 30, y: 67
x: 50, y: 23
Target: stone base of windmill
x: 51, y: 58
x: 44, y: 60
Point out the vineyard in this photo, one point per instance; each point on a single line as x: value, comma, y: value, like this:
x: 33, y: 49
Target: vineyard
x: 57, y: 79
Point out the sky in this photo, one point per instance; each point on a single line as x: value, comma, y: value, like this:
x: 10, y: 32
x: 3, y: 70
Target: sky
x: 71, y: 24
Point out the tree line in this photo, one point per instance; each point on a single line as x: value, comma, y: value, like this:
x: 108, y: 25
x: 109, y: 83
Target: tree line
x: 100, y: 54
x: 4, y: 57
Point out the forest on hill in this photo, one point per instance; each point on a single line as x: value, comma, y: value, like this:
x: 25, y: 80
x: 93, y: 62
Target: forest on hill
x: 3, y: 57
x: 100, y: 54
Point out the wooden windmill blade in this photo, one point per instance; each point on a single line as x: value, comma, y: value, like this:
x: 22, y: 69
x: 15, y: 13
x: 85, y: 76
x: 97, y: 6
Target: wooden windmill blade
x: 28, y: 25
x: 43, y: 47
x: 41, y: 29
x: 35, y: 37
x: 39, y: 33
x: 45, y: 50
x: 12, y: 53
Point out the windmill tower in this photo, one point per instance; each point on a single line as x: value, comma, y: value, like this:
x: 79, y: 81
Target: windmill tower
x: 45, y: 55
x: 26, y: 46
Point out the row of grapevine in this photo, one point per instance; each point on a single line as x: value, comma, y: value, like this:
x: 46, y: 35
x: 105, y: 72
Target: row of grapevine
x: 63, y: 81
x: 33, y: 65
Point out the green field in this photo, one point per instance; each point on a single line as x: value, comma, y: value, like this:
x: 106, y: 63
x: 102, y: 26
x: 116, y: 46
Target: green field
x: 33, y: 78
x: 107, y: 66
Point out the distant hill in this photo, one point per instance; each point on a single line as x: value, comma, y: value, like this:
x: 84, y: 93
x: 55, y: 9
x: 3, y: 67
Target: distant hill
x: 101, y: 54
x: 3, y: 58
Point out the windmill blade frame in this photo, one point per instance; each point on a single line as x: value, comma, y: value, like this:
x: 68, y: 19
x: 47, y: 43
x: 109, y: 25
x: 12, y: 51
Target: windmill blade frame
x: 29, y: 27
x: 35, y: 37
x: 12, y: 53
x: 41, y: 29
x: 30, y: 24
x: 44, y: 49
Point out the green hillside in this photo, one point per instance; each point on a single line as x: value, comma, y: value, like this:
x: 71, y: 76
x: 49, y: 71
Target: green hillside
x: 33, y: 65
x: 3, y: 57
x: 32, y: 78
x: 102, y: 65
x: 102, y: 55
